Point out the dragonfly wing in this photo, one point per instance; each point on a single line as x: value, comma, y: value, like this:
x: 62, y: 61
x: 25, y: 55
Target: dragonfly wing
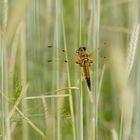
x: 60, y: 55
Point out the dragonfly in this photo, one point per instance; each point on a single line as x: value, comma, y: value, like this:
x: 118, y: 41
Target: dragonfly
x: 84, y: 60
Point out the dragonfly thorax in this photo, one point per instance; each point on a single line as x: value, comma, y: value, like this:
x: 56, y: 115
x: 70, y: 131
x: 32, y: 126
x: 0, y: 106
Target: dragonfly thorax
x: 85, y: 60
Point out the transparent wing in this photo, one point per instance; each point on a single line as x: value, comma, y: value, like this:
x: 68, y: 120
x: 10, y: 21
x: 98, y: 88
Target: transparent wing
x: 60, y: 55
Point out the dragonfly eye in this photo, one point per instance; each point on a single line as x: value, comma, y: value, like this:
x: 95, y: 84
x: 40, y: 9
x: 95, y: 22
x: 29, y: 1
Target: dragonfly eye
x: 84, y: 48
x: 81, y: 49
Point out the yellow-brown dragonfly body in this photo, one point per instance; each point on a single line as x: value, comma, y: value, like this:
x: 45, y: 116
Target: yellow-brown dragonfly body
x: 85, y: 61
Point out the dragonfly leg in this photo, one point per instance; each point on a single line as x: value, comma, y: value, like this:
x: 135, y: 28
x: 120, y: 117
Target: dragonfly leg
x: 78, y: 61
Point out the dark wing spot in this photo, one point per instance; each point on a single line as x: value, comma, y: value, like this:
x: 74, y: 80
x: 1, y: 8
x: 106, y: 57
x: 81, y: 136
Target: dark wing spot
x: 49, y: 46
x: 49, y: 60
x: 66, y: 61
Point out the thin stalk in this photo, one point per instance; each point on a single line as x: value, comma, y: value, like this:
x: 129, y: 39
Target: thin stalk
x: 6, y: 92
x: 93, y: 128
x: 65, y: 47
x: 45, y: 96
x: 91, y: 106
x: 2, y: 87
x: 81, y: 79
x: 45, y: 107
x: 132, y: 48
x: 69, y: 81
x: 96, y: 29
x: 23, y: 76
x: 13, y: 58
x: 100, y: 84
x: 57, y: 39
x: 5, y: 82
x: 5, y: 14
x: 16, y: 16
x: 121, y: 127
x: 114, y: 134
x: 72, y: 116
x: 80, y: 22
x: 81, y: 111
x: 76, y: 35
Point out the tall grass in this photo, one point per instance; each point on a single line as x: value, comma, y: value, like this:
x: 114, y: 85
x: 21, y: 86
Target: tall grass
x: 50, y: 101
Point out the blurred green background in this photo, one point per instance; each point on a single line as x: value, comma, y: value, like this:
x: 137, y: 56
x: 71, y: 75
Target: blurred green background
x: 58, y: 107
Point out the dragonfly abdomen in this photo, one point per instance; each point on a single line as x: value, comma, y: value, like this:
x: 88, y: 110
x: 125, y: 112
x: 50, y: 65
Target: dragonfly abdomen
x: 87, y: 76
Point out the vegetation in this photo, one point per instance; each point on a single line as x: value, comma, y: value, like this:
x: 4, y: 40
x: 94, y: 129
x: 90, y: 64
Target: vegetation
x: 49, y: 100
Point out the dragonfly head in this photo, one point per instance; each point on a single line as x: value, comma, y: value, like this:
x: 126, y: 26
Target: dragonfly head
x: 81, y: 50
